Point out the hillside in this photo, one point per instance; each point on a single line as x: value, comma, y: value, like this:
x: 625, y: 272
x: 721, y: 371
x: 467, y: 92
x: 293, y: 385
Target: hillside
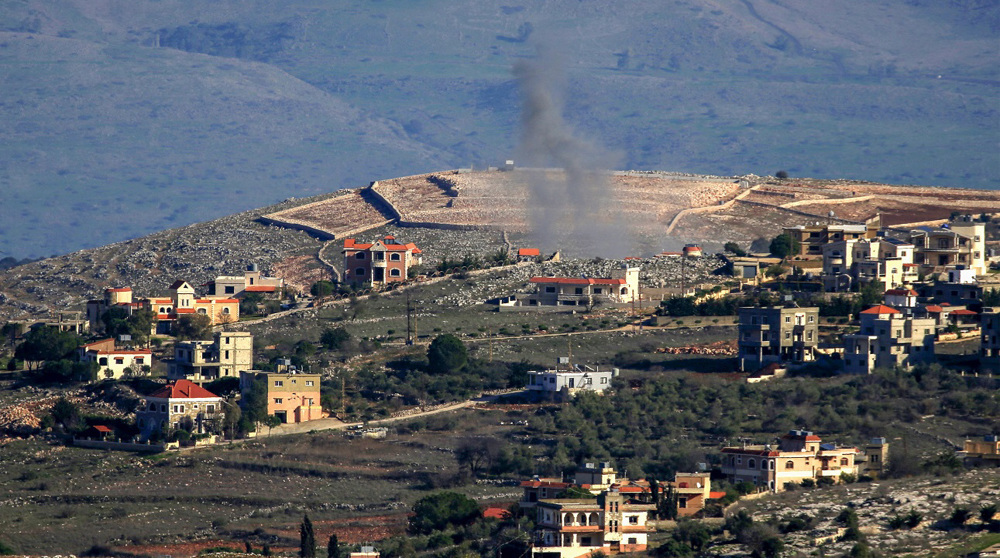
x: 143, y: 116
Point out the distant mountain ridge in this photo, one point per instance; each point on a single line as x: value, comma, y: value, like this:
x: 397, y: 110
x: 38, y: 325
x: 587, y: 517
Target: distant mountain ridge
x: 126, y: 118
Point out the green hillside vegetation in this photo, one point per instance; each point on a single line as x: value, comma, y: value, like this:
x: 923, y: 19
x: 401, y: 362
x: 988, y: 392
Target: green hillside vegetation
x: 151, y: 115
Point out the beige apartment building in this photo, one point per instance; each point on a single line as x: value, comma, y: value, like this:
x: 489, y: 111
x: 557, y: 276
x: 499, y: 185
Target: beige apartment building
x: 989, y: 339
x: 252, y: 281
x: 887, y: 339
x: 776, y: 334
x: 813, y: 238
x: 572, y: 528
x: 228, y: 354
x: 800, y: 455
x: 292, y: 396
x: 962, y: 241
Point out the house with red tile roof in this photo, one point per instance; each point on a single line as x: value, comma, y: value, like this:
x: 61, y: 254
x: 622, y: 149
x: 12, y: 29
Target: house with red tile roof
x: 116, y: 363
x: 621, y: 288
x: 381, y: 262
x: 889, y: 338
x: 799, y: 455
x: 528, y: 254
x: 181, y: 301
x: 179, y: 405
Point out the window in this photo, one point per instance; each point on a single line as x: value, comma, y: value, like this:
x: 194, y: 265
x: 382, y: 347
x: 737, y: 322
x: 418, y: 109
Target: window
x: 789, y: 464
x: 394, y: 257
x: 394, y: 273
x: 103, y: 361
x: 210, y: 408
x: 633, y: 520
x: 119, y: 360
x: 359, y: 271
x: 163, y: 408
x: 751, y: 464
x: 550, y: 289
x: 195, y: 405
x: 178, y: 408
x: 812, y: 319
x: 788, y: 319
x: 226, y: 311
x: 202, y: 311
x: 309, y: 383
x: 279, y: 383
x: 360, y: 255
x: 598, y: 290
x: 278, y: 400
x: 578, y: 290
x: 230, y: 289
x: 624, y: 290
x: 604, y: 380
x: 843, y: 461
x: 589, y: 381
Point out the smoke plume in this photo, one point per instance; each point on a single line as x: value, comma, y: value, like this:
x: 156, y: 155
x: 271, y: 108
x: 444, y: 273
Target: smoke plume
x: 578, y: 206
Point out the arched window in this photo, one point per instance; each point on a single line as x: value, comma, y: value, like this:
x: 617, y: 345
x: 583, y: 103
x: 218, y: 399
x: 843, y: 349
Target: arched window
x: 394, y: 273
x: 789, y: 464
x: 751, y: 463
x: 225, y: 310
x: 394, y: 257
x: 359, y: 271
x: 843, y: 461
x: 202, y: 311
x: 624, y: 290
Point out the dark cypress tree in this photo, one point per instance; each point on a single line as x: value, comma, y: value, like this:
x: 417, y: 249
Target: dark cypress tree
x: 332, y: 547
x: 307, y: 539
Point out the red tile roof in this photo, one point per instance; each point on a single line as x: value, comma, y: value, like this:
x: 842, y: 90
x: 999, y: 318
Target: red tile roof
x: 496, y: 513
x: 880, y: 309
x: 933, y: 309
x: 713, y: 495
x: 182, y: 389
x: 964, y: 312
x: 119, y: 290
x: 124, y: 352
x: 103, y: 429
x: 577, y: 281
x: 261, y: 289
x: 350, y: 244
x: 529, y: 252
x: 184, y: 311
x: 100, y: 342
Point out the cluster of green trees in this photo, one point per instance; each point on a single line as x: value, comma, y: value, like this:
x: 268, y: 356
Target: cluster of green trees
x: 658, y: 428
x: 117, y: 322
x: 841, y: 305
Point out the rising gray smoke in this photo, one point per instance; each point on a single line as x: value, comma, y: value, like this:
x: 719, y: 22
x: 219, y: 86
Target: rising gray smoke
x: 578, y: 207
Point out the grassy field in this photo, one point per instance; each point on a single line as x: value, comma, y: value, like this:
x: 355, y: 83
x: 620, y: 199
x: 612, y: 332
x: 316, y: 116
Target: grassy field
x: 61, y: 499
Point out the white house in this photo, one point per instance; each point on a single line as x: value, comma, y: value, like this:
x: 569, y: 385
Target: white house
x: 574, y: 378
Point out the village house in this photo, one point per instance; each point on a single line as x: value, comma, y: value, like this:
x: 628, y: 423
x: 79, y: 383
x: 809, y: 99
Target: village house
x: 874, y: 459
x: 182, y: 301
x: 776, y: 334
x: 812, y: 238
x: 528, y: 254
x: 381, y: 262
x: 693, y: 490
x: 960, y: 242
x: 800, y: 455
x: 569, y: 379
x: 179, y: 405
x: 982, y: 453
x: 989, y: 339
x: 228, y: 354
x: 859, y: 261
x: 887, y: 339
x: 621, y: 288
x: 116, y: 363
x: 900, y: 298
x: 292, y: 396
x: 575, y: 527
x: 952, y: 293
x: 236, y: 286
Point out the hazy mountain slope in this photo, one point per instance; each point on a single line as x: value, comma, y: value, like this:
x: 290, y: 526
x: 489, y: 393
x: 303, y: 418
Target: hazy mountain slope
x: 890, y: 90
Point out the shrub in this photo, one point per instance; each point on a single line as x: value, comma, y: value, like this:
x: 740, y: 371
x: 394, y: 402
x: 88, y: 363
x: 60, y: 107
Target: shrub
x: 808, y: 483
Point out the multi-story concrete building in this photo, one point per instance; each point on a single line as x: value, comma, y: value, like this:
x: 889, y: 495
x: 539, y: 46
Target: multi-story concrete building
x: 292, y: 396
x: 989, y: 339
x: 776, y: 334
x: 621, y: 288
x: 381, y: 262
x: 235, y: 286
x: 861, y: 261
x: 575, y: 527
x: 179, y: 405
x: 960, y: 242
x: 800, y: 455
x: 116, y: 363
x: 812, y: 238
x: 228, y: 354
x: 887, y: 339
x: 570, y: 379
x: 875, y: 459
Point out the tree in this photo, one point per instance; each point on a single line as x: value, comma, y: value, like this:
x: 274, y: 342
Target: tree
x: 47, y: 343
x: 446, y: 355
x: 960, y: 516
x: 734, y: 249
x: 231, y: 420
x: 987, y: 512
x: 270, y: 421
x: 335, y: 338
x: 782, y: 174
x: 307, y: 539
x: 871, y: 294
x: 333, y: 547
x: 783, y: 246
x: 193, y: 326
x: 442, y: 510
x: 66, y: 413
x: 322, y: 288
x: 693, y: 533
x: 255, y: 402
